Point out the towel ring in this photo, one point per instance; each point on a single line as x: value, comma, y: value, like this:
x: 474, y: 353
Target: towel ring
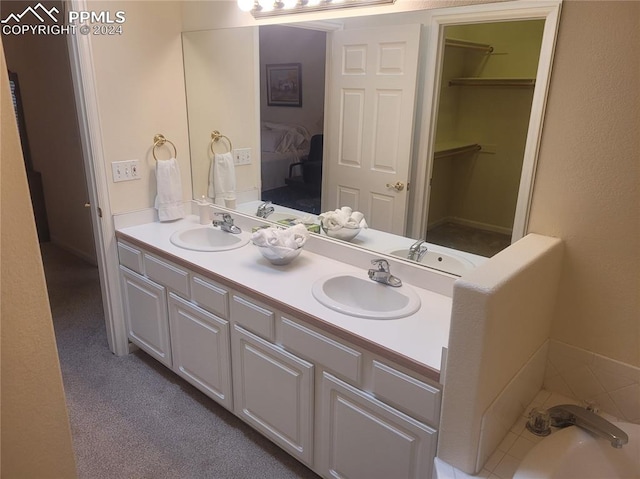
x: 215, y: 137
x: 160, y: 140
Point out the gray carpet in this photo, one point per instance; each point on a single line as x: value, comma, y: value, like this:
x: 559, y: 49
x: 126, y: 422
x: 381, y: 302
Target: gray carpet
x: 130, y: 416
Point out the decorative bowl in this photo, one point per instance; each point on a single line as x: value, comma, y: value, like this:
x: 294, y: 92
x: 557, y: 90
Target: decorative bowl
x: 345, y: 234
x: 279, y: 255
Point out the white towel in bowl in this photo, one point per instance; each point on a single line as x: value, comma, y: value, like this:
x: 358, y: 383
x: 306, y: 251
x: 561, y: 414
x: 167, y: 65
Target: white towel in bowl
x: 222, y: 179
x: 291, y: 238
x: 169, y: 190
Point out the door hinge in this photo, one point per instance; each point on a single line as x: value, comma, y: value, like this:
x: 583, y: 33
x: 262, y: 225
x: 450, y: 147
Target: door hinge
x: 99, y: 212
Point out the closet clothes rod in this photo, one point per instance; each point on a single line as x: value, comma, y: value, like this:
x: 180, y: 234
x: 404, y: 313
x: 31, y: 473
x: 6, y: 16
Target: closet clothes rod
x: 454, y: 42
x: 457, y: 151
x: 504, y: 82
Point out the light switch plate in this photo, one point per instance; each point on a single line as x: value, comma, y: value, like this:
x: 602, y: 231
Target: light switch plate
x: 242, y: 156
x: 125, y: 170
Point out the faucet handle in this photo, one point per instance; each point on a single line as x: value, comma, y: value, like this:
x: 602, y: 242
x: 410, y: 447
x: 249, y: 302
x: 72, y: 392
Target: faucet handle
x: 381, y: 264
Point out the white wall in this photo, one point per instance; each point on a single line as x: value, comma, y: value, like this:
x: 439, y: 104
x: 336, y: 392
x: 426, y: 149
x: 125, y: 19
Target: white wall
x: 587, y: 187
x: 140, y: 92
x: 36, y: 437
x: 222, y: 94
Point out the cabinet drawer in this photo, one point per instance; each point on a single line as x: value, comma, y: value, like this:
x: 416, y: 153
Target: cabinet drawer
x: 211, y: 296
x: 320, y: 349
x: 254, y: 317
x: 130, y: 257
x: 167, y: 274
x: 415, y: 397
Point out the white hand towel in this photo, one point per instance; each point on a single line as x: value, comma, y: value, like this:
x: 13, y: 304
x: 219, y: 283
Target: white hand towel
x: 222, y: 179
x: 169, y: 190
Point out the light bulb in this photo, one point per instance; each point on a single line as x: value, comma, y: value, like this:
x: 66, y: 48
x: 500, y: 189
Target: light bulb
x: 313, y: 3
x: 287, y: 4
x: 267, y: 5
x: 245, y: 5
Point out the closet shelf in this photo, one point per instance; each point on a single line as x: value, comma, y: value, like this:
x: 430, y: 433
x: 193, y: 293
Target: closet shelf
x: 502, y: 82
x: 456, y: 43
x: 453, y: 148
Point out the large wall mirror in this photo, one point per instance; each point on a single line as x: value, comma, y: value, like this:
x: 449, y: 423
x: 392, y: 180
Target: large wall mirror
x: 427, y: 122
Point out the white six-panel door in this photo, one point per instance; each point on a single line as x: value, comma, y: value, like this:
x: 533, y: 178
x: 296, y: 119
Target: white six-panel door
x: 370, y: 122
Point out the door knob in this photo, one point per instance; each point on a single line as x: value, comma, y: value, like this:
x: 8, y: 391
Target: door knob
x: 398, y: 185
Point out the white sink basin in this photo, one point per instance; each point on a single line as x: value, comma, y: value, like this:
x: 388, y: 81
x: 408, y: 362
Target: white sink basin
x: 450, y: 264
x: 573, y: 453
x: 364, y: 298
x: 208, y: 238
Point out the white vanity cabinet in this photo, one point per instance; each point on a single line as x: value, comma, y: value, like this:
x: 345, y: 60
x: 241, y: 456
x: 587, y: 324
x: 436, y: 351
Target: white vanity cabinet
x: 179, y: 318
x: 372, y: 419
x: 145, y: 312
x: 362, y: 437
x: 200, y: 349
x: 333, y: 401
x: 273, y: 391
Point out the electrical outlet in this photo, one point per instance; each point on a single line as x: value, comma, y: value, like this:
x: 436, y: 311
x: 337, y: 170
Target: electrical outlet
x: 125, y: 170
x: 242, y: 156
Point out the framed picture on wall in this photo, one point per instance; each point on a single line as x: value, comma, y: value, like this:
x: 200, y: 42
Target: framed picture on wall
x: 284, y: 84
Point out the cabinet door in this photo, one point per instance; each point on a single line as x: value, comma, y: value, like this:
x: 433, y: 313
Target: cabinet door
x: 200, y: 348
x: 273, y: 391
x: 363, y: 438
x: 145, y: 312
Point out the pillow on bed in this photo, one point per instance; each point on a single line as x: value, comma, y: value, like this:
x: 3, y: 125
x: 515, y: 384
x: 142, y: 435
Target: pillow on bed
x: 270, y: 140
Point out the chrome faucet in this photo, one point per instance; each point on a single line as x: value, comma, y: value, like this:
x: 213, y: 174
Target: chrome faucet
x: 226, y: 223
x: 264, y: 210
x: 417, y: 250
x: 569, y: 414
x: 382, y: 273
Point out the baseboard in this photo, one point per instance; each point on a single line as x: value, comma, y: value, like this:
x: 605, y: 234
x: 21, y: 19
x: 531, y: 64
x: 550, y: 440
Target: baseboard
x: 74, y: 251
x: 472, y: 224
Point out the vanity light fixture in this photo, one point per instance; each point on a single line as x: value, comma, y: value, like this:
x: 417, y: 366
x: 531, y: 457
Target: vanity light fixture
x: 266, y: 8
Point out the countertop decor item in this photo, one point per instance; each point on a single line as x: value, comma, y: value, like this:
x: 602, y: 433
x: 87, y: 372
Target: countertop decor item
x: 280, y: 246
x: 343, y: 223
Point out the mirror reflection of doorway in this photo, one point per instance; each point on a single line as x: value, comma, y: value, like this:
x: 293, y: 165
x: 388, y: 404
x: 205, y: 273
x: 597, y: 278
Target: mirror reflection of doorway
x: 291, y: 136
x: 484, y: 106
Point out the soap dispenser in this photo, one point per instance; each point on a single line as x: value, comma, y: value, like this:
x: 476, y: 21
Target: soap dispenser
x: 204, y: 210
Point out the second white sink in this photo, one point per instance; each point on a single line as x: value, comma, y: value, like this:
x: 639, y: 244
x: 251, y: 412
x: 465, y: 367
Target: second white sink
x: 208, y: 238
x: 365, y: 298
x: 450, y: 264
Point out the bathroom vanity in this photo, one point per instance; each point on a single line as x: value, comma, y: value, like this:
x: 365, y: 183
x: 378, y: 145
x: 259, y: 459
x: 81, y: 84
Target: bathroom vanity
x: 347, y: 396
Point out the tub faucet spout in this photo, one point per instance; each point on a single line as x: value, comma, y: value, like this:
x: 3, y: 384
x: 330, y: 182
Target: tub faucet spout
x: 569, y: 414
